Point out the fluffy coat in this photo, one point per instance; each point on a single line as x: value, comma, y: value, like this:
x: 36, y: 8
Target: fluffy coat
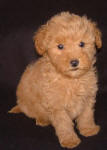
x: 52, y: 90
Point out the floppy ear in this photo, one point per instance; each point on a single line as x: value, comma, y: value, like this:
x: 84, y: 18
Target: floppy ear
x: 98, y: 36
x: 39, y: 40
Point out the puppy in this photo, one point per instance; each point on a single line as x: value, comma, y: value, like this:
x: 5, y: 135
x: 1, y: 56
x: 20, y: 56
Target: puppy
x: 61, y: 86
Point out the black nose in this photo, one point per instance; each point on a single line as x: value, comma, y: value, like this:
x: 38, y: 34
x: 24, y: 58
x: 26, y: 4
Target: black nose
x: 74, y: 63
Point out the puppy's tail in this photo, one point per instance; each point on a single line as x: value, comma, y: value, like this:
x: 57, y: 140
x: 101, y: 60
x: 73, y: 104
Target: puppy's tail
x: 15, y: 109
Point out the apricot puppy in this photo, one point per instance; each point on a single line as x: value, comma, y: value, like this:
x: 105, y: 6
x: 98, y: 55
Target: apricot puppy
x: 61, y: 86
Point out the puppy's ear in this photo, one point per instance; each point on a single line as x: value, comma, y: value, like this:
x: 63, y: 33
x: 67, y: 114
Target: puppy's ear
x: 98, y: 37
x: 39, y: 39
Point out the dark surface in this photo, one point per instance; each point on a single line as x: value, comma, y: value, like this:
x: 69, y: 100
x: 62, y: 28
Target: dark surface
x: 18, y: 22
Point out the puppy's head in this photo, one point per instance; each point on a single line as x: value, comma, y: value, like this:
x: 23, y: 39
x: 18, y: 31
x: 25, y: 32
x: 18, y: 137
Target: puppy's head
x: 70, y: 43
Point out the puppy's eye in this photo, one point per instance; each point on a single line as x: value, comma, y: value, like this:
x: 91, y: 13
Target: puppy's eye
x: 60, y: 46
x: 82, y: 44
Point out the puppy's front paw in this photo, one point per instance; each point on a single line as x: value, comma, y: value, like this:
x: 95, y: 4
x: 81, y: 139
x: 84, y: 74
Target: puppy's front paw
x: 70, y: 142
x: 90, y: 131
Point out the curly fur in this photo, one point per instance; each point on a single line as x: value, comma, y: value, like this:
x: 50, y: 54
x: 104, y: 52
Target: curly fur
x: 51, y: 90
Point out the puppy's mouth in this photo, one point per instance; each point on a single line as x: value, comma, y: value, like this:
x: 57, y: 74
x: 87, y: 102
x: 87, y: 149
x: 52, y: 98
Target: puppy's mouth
x: 76, y: 72
x: 77, y: 69
x: 74, y: 69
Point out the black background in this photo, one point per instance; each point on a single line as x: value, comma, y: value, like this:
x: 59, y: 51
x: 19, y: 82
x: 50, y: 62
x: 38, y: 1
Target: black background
x: 19, y: 19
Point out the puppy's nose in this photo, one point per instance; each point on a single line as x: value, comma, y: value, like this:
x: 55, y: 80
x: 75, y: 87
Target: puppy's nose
x: 74, y: 63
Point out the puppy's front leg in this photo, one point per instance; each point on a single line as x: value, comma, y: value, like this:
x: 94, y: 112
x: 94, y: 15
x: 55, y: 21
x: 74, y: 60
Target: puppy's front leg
x: 64, y: 129
x: 86, y: 123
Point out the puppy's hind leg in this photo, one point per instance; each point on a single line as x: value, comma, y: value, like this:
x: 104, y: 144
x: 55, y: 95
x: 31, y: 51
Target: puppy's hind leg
x: 41, y: 116
x: 15, y: 109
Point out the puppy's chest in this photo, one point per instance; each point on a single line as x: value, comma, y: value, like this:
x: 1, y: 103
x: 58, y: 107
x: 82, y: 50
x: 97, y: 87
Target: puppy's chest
x: 75, y: 92
x: 78, y: 94
x: 71, y: 94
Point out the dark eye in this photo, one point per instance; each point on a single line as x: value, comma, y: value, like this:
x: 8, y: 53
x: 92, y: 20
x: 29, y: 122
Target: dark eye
x: 82, y: 44
x: 60, y: 46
